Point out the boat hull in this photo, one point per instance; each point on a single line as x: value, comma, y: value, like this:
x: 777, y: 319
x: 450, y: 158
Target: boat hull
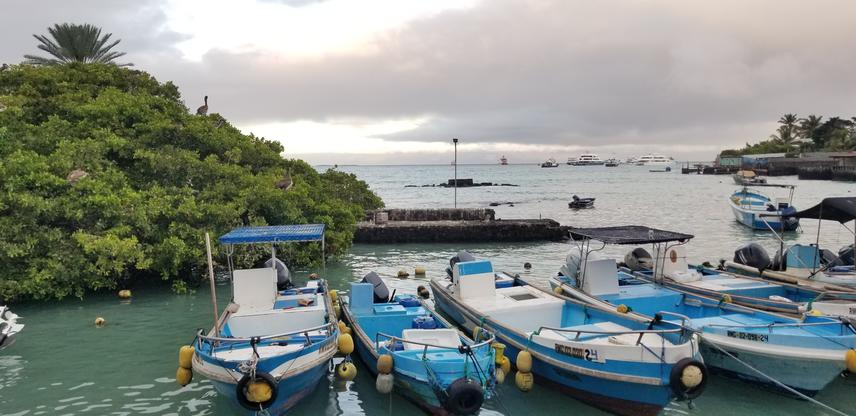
x: 630, y: 398
x: 290, y: 391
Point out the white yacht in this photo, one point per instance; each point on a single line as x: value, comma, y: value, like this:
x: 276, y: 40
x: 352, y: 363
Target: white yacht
x: 9, y: 327
x: 654, y: 160
x: 572, y: 161
x: 588, y: 159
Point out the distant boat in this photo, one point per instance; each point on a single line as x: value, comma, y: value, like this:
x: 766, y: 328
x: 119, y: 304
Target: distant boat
x: 748, y: 177
x: 578, y: 202
x: 760, y: 212
x: 667, y: 169
x: 588, y: 159
x: 503, y: 161
x: 654, y: 160
x: 611, y: 163
x: 550, y: 163
x: 572, y: 161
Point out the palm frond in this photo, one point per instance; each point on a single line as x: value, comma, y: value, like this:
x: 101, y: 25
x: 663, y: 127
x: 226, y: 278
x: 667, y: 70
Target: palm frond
x: 70, y: 42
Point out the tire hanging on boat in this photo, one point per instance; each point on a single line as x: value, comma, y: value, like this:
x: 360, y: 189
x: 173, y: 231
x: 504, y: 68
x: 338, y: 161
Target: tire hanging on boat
x: 688, y: 371
x: 464, y: 397
x: 242, y: 391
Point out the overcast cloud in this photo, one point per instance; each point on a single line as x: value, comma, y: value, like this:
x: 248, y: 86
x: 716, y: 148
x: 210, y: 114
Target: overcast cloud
x: 392, y: 82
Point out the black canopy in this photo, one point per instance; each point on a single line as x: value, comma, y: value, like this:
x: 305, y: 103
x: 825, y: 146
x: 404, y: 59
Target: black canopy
x: 628, y: 234
x: 841, y: 209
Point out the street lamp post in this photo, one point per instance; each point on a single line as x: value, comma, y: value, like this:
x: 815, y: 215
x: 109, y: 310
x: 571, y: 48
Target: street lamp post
x: 455, y: 141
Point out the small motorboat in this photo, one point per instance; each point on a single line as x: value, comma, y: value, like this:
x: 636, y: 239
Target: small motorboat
x: 408, y: 346
x: 9, y: 327
x: 611, y: 163
x: 578, y: 203
x: 806, y: 264
x: 666, y: 169
x: 550, y: 163
x: 760, y: 212
x: 748, y: 177
x: 803, y: 353
x: 273, y: 343
x: 618, y: 362
x: 753, y: 292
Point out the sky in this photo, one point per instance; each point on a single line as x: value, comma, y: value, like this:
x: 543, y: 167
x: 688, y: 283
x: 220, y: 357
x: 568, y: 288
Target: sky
x: 393, y: 81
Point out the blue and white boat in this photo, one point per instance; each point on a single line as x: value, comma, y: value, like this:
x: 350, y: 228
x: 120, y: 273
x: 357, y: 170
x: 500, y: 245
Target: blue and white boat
x: 273, y: 343
x: 624, y: 364
x: 433, y: 365
x: 760, y: 212
x: 753, y: 292
x: 804, y: 354
x: 9, y: 327
x: 806, y: 264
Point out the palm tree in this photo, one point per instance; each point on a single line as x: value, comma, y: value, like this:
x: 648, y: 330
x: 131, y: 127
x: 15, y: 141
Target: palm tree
x: 809, y: 125
x: 76, y: 43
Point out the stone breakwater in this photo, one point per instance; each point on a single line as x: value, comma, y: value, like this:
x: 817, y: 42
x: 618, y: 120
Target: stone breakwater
x: 452, y: 225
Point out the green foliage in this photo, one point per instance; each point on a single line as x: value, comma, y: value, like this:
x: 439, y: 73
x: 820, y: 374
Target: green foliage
x: 156, y: 179
x: 808, y: 134
x: 76, y: 43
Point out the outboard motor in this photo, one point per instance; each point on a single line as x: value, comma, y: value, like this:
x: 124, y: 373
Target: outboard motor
x: 790, y: 222
x: 752, y: 255
x: 572, y: 265
x: 381, y: 292
x: 845, y: 256
x: 462, y: 256
x: 283, y: 276
x: 639, y: 259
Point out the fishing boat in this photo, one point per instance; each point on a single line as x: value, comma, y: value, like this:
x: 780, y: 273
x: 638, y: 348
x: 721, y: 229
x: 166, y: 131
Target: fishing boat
x: 408, y: 346
x: 798, y: 355
x: 624, y: 364
x: 9, y: 327
x: 806, y: 263
x: 748, y: 177
x: 550, y: 163
x: 503, y: 160
x: 273, y: 342
x: 611, y: 163
x: 760, y: 212
x: 578, y: 203
x: 753, y: 292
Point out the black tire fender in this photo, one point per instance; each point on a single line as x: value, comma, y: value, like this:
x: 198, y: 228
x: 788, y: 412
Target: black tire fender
x: 464, y: 397
x: 681, y: 391
x: 241, y: 391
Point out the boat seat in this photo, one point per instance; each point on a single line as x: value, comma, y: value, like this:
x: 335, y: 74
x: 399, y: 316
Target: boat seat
x: 444, y: 337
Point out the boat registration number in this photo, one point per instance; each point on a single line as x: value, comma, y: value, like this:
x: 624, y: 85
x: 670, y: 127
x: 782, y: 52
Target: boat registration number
x: 748, y: 336
x: 587, y: 354
x: 327, y: 346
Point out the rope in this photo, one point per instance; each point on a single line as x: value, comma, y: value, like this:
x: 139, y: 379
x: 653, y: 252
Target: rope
x: 778, y: 383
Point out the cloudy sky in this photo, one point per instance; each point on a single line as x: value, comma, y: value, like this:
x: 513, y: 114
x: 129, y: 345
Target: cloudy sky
x: 392, y: 81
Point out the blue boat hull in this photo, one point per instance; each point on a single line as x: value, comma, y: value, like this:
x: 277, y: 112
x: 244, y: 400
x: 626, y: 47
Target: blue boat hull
x: 290, y: 390
x: 629, y: 399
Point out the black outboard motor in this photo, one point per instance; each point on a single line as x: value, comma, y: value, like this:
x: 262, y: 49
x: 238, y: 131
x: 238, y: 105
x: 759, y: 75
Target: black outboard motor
x: 752, y: 255
x: 462, y: 256
x: 381, y: 292
x: 846, y: 256
x: 283, y: 276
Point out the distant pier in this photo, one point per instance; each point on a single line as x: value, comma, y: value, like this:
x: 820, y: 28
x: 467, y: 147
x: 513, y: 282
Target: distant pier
x: 448, y: 225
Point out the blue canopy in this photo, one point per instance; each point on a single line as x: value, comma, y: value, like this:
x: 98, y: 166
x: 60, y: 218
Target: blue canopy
x: 274, y: 234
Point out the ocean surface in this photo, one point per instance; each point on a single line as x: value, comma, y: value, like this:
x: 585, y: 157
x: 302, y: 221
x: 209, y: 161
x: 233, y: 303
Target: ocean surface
x: 63, y: 365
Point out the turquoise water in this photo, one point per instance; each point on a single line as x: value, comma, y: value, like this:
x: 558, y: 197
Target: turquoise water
x: 63, y: 365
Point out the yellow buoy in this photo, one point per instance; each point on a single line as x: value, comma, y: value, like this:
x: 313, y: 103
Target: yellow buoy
x: 342, y: 326
x: 814, y: 312
x: 524, y: 380
x: 346, y: 344
x: 338, y: 310
x: 259, y: 392
x: 384, y: 364
x: 524, y: 361
x: 183, y: 376
x: 726, y: 298
x: 99, y: 321
x: 500, y: 350
x: 558, y: 290
x: 419, y: 271
x: 622, y: 308
x: 500, y: 375
x: 185, y: 356
x: 691, y: 377
x: 505, y: 365
x: 346, y: 370
x: 850, y: 357
x: 334, y: 295
x: 125, y: 294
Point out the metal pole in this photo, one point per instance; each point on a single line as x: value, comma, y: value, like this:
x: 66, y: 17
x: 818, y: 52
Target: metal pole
x: 211, y: 279
x: 455, y: 141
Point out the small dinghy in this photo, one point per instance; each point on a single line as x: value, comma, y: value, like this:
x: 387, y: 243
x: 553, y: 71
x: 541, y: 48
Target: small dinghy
x: 415, y: 351
x: 617, y: 362
x: 748, y: 177
x: 760, y: 212
x: 578, y: 203
x: 803, y: 353
x: 272, y: 344
x: 9, y: 327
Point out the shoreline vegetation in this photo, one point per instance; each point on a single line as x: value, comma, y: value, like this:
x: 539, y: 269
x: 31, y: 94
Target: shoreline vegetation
x: 108, y: 181
x: 801, y: 135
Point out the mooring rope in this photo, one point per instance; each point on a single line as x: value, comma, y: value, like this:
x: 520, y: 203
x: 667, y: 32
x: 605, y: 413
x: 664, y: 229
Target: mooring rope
x: 779, y: 383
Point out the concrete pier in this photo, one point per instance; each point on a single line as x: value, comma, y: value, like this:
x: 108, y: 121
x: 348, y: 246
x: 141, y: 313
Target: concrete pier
x: 452, y: 225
